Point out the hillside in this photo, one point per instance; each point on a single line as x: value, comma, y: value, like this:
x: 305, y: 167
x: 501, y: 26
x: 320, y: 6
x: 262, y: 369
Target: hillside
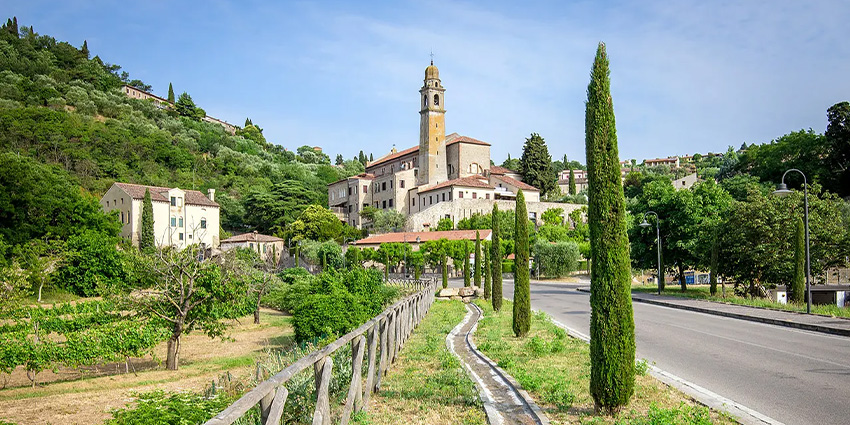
x: 60, y: 106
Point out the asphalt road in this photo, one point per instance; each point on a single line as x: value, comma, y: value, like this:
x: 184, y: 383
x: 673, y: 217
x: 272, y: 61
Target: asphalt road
x: 793, y: 376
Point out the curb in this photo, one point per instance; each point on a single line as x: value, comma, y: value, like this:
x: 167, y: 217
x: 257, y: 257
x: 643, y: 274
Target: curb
x: 493, y: 416
x: 766, y: 320
x: 742, y: 414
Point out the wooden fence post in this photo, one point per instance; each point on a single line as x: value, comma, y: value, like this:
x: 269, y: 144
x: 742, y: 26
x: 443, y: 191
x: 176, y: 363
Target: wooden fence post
x: 382, y: 369
x: 370, y: 373
x: 355, y: 395
x: 276, y: 410
x: 322, y: 370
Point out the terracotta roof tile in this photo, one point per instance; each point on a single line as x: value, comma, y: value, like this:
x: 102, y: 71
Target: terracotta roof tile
x: 252, y: 237
x: 392, y: 156
x: 362, y: 176
x: 495, y: 169
x: 514, y: 182
x: 457, y: 138
x: 410, y: 237
x: 160, y: 194
x: 450, y: 140
x: 471, y: 181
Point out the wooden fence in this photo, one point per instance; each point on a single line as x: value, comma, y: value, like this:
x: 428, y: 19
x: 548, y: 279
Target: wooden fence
x: 390, y: 329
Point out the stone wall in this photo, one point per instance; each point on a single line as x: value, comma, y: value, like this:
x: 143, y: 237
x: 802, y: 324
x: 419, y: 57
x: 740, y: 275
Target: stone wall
x: 459, y: 209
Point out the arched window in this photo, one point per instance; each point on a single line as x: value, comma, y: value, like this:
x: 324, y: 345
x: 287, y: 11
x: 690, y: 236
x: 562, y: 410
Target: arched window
x: 436, y: 100
x: 424, y: 101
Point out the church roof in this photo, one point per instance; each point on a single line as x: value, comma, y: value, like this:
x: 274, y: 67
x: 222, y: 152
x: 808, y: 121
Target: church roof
x: 450, y: 140
x: 471, y: 181
x: 393, y: 156
x: 457, y: 138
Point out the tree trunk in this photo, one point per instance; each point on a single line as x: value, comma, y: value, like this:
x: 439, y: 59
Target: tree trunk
x: 682, y: 278
x: 172, y: 356
x: 41, y: 285
x: 257, y: 310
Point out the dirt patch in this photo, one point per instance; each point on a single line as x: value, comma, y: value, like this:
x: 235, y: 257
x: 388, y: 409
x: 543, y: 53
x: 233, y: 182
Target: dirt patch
x: 64, y: 398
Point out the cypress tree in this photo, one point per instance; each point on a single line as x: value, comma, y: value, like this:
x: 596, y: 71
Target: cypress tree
x: 170, y: 93
x: 477, y: 265
x: 465, y: 264
x: 612, y: 328
x: 487, y: 273
x: 535, y: 165
x: 146, y: 241
x: 85, y: 49
x: 572, y: 182
x: 496, y: 260
x: 797, y: 289
x: 565, y: 162
x: 371, y: 158
x: 522, y: 295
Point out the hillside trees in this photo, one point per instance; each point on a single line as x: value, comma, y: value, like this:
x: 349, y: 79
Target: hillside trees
x: 838, y: 146
x: 535, y: 165
x: 612, y: 339
x: 186, y: 107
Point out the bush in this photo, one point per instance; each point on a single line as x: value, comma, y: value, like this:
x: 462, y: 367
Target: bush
x: 92, y: 265
x: 159, y: 407
x: 556, y: 259
x: 507, y: 266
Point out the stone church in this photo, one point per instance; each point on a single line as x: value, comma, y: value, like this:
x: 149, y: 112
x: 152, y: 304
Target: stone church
x: 445, y: 176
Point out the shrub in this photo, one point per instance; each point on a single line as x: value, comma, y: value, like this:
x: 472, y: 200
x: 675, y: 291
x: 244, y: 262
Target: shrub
x: 92, y: 265
x: 507, y: 266
x: 556, y: 259
x: 159, y: 407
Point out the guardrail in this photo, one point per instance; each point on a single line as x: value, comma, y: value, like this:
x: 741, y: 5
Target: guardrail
x: 390, y: 329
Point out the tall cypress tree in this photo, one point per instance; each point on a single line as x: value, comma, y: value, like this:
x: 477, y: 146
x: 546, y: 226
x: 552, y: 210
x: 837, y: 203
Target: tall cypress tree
x: 170, y: 93
x: 522, y: 295
x: 496, y: 260
x: 797, y: 289
x: 85, y: 49
x: 487, y: 272
x: 146, y: 241
x: 612, y: 327
x: 572, y: 182
x: 477, y: 265
x: 535, y: 165
x: 466, y: 282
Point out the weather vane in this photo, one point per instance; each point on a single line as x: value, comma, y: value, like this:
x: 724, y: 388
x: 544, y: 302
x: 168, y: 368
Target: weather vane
x: 432, y: 57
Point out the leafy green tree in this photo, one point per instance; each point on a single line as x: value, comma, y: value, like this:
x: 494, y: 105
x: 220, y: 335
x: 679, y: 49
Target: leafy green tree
x: 477, y: 265
x: 147, y: 241
x: 170, y: 94
x: 612, y: 338
x: 339, y: 160
x: 838, y: 146
x: 270, y: 211
x: 535, y: 165
x: 572, y: 182
x: 91, y: 265
x: 487, y: 272
x: 556, y: 259
x: 187, y: 294
x: 553, y: 216
x: 496, y: 259
x: 796, y: 291
x: 445, y: 223
x: 315, y: 223
x: 445, y: 268
x: 186, y: 107
x: 522, y: 294
x: 511, y: 164
x: 384, y: 221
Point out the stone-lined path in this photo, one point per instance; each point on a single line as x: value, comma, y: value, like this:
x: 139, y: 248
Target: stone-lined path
x: 504, y: 401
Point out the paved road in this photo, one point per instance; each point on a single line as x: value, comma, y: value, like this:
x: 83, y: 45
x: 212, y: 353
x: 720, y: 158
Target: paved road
x: 793, y: 376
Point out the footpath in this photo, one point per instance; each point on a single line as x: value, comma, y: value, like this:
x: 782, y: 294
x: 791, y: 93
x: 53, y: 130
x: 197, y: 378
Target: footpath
x: 809, y: 322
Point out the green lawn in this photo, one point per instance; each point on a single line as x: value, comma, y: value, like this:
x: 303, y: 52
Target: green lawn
x: 702, y: 292
x: 555, y: 370
x: 427, y: 384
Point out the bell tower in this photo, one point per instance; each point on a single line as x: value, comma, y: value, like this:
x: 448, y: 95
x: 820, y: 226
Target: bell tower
x: 432, y: 130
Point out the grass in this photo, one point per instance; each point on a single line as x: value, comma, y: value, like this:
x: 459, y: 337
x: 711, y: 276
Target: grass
x: 702, y: 292
x: 555, y: 370
x: 52, y: 296
x: 427, y: 384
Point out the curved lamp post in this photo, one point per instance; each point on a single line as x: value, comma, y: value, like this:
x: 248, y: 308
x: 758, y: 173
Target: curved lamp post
x: 658, y: 237
x: 782, y: 190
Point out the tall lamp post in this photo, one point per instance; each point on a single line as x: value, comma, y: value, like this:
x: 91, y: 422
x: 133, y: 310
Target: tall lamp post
x: 658, y: 238
x: 782, y: 190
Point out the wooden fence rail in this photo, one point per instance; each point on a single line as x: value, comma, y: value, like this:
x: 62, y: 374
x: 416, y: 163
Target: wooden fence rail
x: 390, y: 330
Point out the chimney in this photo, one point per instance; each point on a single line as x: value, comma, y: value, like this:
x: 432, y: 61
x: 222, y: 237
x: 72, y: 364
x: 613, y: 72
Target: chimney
x: 211, y: 194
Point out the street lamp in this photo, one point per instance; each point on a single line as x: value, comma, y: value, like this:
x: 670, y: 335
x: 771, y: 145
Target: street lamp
x: 658, y: 237
x: 782, y: 190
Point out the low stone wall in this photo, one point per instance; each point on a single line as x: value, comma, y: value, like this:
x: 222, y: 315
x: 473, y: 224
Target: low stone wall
x: 459, y: 209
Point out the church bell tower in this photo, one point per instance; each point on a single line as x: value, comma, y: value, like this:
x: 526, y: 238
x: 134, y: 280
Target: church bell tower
x: 432, y: 130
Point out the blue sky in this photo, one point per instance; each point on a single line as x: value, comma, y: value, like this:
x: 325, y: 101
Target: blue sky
x: 687, y: 76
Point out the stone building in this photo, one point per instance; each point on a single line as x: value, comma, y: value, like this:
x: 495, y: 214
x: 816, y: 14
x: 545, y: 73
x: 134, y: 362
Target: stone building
x: 444, y: 176
x: 269, y: 248
x: 180, y: 217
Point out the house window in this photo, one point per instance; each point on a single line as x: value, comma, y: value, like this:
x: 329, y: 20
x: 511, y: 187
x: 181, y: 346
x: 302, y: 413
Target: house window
x: 460, y: 194
x: 365, y: 188
x: 384, y: 204
x: 173, y: 221
x: 474, y: 195
x: 430, y: 200
x: 349, y: 191
x: 444, y: 196
x: 122, y: 216
x: 391, y: 184
x: 365, y: 205
x: 384, y: 186
x: 181, y: 236
x: 436, y: 100
x: 203, y: 223
x: 413, y: 202
x: 107, y: 203
x: 487, y: 196
x: 401, y: 184
x: 391, y: 203
x: 251, y: 245
x: 264, y: 249
x: 180, y: 222
x: 349, y: 208
x: 450, y: 196
x: 173, y: 201
x: 122, y: 201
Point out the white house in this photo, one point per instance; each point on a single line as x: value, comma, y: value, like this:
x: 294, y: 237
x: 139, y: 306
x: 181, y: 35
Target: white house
x: 180, y: 217
x: 264, y: 245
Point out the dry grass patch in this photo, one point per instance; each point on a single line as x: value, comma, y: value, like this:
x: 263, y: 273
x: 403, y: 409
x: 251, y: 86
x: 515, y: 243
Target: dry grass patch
x: 202, y: 360
x: 555, y: 370
x: 427, y: 384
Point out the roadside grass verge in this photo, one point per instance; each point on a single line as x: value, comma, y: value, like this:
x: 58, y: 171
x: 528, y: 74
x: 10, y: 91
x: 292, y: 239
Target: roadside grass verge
x: 427, y: 384
x: 555, y: 370
x: 702, y: 292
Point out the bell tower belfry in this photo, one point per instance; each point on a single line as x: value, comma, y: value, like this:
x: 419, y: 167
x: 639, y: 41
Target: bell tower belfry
x: 432, y: 130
